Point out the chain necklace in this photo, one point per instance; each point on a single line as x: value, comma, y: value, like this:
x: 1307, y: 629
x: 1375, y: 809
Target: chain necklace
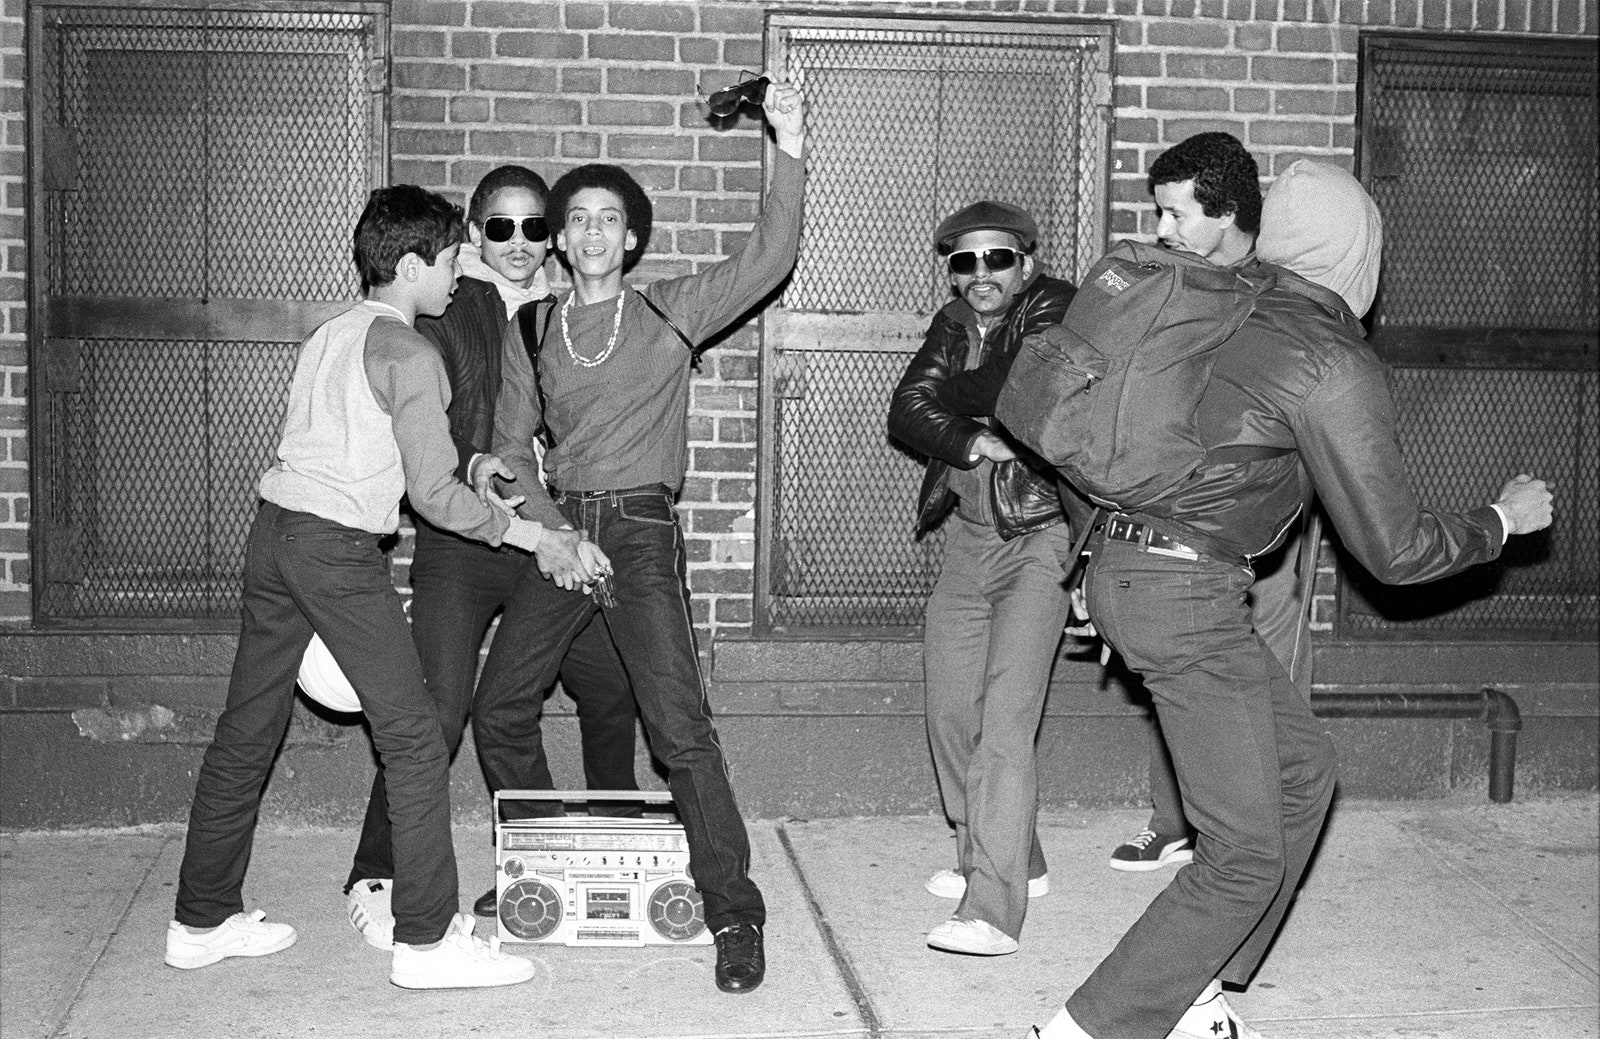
x: 611, y: 344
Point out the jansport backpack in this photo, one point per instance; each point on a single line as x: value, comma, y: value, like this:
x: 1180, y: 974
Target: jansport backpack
x: 1109, y: 396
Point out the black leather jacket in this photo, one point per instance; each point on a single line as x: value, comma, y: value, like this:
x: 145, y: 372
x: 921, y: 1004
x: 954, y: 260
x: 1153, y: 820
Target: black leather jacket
x: 1022, y: 492
x: 468, y: 337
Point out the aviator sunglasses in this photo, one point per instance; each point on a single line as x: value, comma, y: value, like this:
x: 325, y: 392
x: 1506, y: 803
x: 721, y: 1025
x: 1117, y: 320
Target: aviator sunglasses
x: 966, y: 261
x: 501, y: 228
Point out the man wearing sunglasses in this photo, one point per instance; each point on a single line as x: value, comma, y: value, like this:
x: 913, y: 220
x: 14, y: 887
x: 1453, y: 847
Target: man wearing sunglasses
x: 997, y: 611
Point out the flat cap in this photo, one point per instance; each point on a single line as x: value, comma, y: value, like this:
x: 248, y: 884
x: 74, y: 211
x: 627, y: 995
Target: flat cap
x: 987, y: 216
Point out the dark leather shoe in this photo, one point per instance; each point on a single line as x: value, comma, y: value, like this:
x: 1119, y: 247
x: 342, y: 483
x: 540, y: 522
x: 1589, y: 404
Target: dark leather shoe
x: 741, y: 957
x: 488, y: 904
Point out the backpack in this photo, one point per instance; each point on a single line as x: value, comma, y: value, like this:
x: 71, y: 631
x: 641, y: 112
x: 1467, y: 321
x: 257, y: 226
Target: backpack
x: 1108, y: 397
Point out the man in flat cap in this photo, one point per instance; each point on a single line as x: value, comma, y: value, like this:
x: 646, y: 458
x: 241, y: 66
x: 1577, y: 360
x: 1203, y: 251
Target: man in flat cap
x: 997, y: 611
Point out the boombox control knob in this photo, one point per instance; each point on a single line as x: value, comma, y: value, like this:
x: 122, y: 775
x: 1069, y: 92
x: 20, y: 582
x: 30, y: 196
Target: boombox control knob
x: 675, y: 911
x: 531, y: 909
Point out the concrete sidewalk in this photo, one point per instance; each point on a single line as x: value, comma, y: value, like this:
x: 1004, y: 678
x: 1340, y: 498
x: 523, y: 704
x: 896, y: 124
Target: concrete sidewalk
x: 1443, y: 919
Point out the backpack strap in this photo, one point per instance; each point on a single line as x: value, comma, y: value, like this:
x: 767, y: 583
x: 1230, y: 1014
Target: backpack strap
x: 535, y: 327
x: 694, y: 356
x: 533, y: 321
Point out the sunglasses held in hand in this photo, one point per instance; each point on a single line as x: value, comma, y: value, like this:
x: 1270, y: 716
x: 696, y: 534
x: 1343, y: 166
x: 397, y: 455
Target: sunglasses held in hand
x: 725, y: 102
x: 501, y: 228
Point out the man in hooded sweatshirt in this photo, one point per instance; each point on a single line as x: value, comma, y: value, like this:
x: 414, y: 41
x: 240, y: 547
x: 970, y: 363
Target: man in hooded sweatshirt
x: 1256, y: 769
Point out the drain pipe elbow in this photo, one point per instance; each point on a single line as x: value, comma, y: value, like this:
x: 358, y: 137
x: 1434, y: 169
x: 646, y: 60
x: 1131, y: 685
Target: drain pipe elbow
x: 1500, y: 711
x: 1504, y: 720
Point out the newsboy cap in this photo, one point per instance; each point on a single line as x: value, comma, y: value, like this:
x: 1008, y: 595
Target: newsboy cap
x: 987, y: 216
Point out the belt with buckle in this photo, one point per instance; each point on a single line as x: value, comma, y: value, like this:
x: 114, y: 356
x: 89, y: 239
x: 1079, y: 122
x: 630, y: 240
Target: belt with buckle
x: 1147, y: 538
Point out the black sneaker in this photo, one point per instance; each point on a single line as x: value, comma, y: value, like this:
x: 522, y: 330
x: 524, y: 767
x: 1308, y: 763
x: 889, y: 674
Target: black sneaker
x: 741, y: 957
x: 1147, y: 850
x: 488, y: 904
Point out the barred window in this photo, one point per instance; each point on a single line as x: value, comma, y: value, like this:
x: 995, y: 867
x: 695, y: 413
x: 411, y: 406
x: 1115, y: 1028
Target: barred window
x: 907, y: 121
x: 202, y: 169
x: 1480, y: 152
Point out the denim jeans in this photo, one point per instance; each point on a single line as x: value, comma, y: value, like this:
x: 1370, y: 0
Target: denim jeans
x: 457, y: 587
x: 638, y: 530
x: 1277, y: 609
x: 1256, y: 771
x: 305, y: 573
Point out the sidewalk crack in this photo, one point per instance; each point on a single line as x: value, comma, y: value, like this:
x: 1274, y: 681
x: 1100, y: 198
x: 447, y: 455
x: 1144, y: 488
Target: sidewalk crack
x: 841, y: 961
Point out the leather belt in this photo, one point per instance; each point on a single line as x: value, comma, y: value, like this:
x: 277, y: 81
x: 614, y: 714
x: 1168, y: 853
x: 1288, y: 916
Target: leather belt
x: 1146, y: 537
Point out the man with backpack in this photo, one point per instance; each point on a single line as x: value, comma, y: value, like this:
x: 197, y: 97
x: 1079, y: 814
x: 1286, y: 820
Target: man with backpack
x: 996, y: 613
x: 1294, y: 401
x: 1212, y: 207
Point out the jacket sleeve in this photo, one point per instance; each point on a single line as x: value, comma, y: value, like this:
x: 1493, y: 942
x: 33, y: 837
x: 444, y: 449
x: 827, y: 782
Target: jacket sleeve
x: 1345, y: 433
x: 916, y: 417
x: 518, y: 419
x: 975, y: 392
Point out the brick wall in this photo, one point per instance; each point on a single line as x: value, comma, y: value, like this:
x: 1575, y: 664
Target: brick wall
x: 558, y: 83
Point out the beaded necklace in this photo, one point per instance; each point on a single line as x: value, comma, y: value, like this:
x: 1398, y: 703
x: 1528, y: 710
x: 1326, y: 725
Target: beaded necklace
x: 611, y: 344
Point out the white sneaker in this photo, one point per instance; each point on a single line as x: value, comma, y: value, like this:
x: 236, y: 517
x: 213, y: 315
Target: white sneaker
x: 974, y: 937
x: 458, y: 961
x: 370, y: 912
x: 241, y: 934
x: 1212, y: 1018
x: 947, y: 883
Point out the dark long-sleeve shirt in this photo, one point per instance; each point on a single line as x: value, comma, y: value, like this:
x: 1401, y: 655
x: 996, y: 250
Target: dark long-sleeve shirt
x: 622, y: 422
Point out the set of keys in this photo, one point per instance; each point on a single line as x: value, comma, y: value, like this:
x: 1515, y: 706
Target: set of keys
x: 604, y: 593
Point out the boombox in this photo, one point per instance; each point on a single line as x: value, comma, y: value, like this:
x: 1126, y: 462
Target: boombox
x: 593, y: 880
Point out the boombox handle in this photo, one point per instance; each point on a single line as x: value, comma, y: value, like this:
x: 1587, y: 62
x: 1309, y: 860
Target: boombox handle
x: 570, y: 796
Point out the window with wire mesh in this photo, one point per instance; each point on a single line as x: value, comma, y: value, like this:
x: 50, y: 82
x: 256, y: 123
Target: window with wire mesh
x: 1481, y: 155
x: 202, y: 161
x: 907, y: 121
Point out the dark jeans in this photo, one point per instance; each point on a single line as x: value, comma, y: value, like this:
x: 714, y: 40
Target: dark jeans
x: 638, y: 530
x: 304, y: 573
x: 457, y: 587
x: 1277, y: 609
x: 1255, y: 768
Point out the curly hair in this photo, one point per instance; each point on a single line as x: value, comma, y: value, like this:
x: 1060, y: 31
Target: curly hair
x: 636, y: 206
x: 504, y: 177
x: 398, y: 220
x: 1226, y: 179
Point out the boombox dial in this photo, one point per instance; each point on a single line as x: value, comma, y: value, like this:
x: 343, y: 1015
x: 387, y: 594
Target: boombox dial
x: 676, y: 912
x: 531, y: 909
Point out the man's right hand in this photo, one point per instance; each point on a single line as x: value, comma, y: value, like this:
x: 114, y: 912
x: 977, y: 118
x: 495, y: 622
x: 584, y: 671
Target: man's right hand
x: 570, y: 560
x: 484, y: 469
x: 1525, y: 502
x: 988, y: 445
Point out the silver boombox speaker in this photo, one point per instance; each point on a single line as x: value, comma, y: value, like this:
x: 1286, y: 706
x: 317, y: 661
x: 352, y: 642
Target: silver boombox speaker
x: 593, y: 880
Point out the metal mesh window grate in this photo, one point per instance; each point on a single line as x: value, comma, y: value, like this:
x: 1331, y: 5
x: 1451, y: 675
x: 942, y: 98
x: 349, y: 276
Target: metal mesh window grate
x: 907, y: 121
x: 1481, y: 154
x: 203, y: 166
x: 1482, y: 159
x: 162, y: 448
x: 1463, y: 432
x: 905, y: 126
x: 209, y: 146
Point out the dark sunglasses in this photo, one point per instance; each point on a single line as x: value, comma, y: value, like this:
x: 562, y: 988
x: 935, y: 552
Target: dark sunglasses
x: 501, y: 228
x: 966, y: 261
x: 725, y: 102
